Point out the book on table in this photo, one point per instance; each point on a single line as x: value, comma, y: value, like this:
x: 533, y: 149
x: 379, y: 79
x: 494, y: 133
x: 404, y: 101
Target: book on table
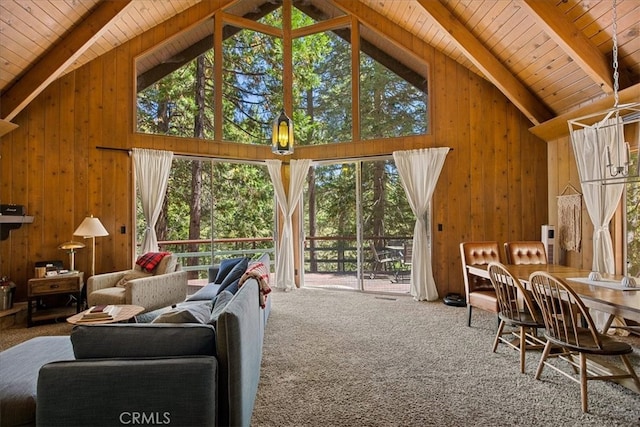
x: 100, y: 312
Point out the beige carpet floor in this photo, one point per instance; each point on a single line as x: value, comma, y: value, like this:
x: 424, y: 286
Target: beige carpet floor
x: 336, y: 358
x: 341, y: 358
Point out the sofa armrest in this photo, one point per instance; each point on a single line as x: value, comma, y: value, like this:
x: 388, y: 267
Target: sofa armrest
x: 155, y: 292
x: 110, y: 392
x: 102, y: 281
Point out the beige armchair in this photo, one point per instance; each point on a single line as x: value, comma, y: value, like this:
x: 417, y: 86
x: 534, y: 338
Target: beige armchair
x: 165, y: 286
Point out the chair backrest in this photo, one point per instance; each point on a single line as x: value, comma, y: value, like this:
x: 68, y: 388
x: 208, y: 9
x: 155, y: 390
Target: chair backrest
x: 564, y: 313
x: 477, y: 253
x: 508, y: 287
x: 407, y: 253
x: 525, y: 252
x: 374, y: 251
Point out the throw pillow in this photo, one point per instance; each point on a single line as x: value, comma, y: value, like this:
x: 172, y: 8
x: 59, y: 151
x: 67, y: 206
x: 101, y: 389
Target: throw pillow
x: 208, y: 293
x: 236, y: 272
x: 191, y: 313
x: 233, y: 287
x: 167, y: 265
x: 150, y: 260
x: 226, y: 265
x: 221, y: 302
x: 131, y: 275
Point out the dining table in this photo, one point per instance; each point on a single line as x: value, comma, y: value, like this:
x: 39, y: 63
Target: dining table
x: 606, y: 295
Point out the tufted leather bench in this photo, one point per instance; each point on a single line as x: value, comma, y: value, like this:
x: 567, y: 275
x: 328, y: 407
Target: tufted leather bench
x: 525, y: 252
x: 479, y: 292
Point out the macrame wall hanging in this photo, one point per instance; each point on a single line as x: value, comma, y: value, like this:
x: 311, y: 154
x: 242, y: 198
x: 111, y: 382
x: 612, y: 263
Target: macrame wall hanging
x: 570, y: 219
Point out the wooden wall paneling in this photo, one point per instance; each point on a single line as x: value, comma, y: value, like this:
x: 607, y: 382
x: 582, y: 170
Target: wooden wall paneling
x: 34, y: 192
x: 92, y: 205
x: 539, y: 178
x: 477, y: 117
x: 13, y: 178
x: 531, y: 199
x: 67, y: 165
x: 81, y: 162
x: 125, y: 102
x: 448, y: 133
x: 515, y: 157
x: 52, y: 162
x: 499, y: 214
x: 111, y: 179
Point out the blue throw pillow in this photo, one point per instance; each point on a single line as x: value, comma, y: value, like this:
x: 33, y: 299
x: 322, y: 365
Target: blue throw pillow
x: 233, y: 287
x: 235, y: 274
x: 226, y: 265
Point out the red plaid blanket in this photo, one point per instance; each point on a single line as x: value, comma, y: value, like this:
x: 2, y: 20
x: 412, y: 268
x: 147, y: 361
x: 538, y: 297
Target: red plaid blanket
x: 260, y: 272
x: 150, y: 260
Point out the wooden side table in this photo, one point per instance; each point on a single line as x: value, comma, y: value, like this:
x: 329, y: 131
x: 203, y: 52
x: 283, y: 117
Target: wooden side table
x: 68, y: 283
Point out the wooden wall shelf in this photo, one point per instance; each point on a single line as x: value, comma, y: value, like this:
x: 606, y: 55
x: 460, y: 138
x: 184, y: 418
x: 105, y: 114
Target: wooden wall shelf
x: 11, y: 222
x: 15, y: 219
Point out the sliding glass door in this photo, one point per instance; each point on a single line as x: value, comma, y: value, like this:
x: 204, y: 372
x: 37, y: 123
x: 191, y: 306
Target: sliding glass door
x: 358, y: 227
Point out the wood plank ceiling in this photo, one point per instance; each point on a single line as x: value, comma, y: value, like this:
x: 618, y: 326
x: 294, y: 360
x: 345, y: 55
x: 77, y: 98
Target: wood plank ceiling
x: 548, y: 57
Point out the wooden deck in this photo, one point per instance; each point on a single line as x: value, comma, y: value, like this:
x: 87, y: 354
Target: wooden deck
x: 347, y: 281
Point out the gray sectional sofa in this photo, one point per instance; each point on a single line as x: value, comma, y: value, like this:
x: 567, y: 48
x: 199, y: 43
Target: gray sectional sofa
x: 187, y: 374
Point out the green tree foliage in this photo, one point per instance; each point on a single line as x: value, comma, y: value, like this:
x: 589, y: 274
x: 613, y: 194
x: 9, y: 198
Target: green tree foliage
x: 236, y: 200
x: 633, y: 224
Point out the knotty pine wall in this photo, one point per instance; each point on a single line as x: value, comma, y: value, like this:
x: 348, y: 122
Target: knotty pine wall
x: 493, y: 185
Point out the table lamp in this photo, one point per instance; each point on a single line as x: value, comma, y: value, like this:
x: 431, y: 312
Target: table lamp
x: 91, y: 227
x: 71, y: 247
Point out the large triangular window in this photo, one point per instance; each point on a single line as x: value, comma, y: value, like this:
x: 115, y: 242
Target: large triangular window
x: 342, y: 81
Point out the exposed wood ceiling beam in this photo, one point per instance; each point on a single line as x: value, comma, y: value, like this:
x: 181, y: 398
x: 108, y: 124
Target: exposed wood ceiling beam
x: 50, y: 66
x: 558, y: 127
x: 490, y: 66
x: 572, y: 41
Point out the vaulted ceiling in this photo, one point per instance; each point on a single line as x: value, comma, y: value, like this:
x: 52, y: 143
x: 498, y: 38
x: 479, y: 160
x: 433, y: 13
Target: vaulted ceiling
x: 550, y: 58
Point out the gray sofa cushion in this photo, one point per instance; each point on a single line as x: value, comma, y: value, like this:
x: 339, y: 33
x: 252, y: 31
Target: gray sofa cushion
x: 221, y: 302
x: 208, y: 292
x: 179, y: 391
x: 19, y: 367
x: 190, y: 312
x: 142, y: 340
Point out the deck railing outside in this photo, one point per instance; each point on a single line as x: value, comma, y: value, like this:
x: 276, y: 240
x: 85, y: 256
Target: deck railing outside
x: 322, y: 254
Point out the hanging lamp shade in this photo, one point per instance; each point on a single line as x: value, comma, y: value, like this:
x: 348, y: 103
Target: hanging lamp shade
x: 282, y: 135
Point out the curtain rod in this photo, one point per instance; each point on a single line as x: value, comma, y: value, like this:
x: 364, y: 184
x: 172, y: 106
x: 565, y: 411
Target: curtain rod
x: 126, y: 150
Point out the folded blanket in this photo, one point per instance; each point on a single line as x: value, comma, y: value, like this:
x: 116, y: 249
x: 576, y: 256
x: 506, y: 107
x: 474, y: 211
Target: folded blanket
x: 263, y: 284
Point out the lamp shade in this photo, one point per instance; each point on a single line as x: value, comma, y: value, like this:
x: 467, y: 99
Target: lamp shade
x: 282, y: 135
x: 91, y: 227
x: 71, y: 245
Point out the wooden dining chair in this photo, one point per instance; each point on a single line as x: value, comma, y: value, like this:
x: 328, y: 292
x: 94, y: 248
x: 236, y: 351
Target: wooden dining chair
x: 525, y: 252
x: 479, y: 292
x: 564, y: 315
x: 527, y: 319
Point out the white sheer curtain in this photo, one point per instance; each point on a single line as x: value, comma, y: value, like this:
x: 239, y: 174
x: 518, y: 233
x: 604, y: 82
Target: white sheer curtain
x: 590, y: 146
x: 285, y: 273
x: 419, y: 171
x: 152, y: 168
